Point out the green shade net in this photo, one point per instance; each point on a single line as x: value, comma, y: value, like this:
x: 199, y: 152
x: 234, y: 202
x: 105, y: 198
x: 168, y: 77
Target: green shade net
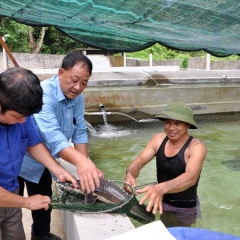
x: 127, y: 25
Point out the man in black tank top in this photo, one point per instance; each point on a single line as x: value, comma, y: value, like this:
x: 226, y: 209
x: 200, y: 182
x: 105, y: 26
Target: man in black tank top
x: 179, y: 160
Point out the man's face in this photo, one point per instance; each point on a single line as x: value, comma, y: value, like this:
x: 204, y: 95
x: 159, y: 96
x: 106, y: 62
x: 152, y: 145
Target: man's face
x: 175, y: 129
x: 74, y: 80
x: 12, y: 117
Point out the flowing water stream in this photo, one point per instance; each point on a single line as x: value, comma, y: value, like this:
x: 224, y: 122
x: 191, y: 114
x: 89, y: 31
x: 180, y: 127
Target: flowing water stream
x: 116, y: 145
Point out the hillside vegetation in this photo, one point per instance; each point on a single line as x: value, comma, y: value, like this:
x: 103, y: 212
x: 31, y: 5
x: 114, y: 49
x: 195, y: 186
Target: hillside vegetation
x: 160, y: 52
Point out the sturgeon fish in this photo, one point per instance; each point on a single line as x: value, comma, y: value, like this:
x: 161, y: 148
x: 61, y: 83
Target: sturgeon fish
x: 110, y: 193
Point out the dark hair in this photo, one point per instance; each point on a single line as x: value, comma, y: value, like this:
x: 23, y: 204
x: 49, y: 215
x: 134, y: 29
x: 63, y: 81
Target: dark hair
x: 20, y: 91
x: 74, y: 57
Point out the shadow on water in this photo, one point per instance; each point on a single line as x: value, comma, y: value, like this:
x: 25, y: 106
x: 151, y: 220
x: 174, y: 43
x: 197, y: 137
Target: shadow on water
x: 233, y: 164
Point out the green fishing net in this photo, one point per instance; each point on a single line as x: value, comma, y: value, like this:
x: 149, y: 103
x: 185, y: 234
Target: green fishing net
x: 68, y: 198
x: 74, y: 200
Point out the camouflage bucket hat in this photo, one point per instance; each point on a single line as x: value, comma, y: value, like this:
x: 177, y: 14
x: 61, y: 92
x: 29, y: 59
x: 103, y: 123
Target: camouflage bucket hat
x: 178, y: 111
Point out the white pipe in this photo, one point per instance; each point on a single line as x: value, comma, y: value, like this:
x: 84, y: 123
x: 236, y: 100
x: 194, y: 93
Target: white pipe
x: 124, y: 60
x: 4, y: 56
x: 4, y: 53
x: 208, y: 61
x: 109, y: 113
x: 97, y: 113
x: 150, y: 60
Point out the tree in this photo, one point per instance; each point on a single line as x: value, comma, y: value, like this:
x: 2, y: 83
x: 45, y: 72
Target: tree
x: 55, y: 42
x: 17, y: 40
x: 35, y: 44
x: 28, y: 39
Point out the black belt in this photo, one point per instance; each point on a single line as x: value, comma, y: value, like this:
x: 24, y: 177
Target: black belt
x: 181, y: 203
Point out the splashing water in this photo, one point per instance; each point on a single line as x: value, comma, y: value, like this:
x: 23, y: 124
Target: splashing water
x: 91, y: 128
x: 110, y: 131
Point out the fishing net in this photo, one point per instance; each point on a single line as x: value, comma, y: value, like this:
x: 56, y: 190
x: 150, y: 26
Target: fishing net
x: 65, y: 197
x: 128, y: 26
x: 74, y: 200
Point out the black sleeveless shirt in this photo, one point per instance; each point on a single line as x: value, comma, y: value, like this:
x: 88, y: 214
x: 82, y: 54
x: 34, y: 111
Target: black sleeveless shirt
x: 169, y: 168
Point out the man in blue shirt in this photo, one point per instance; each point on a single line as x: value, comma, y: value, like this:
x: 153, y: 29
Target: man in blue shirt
x: 20, y: 96
x: 61, y: 120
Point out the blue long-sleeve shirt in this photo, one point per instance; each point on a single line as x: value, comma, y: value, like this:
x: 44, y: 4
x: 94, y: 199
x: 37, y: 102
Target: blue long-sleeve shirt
x: 59, y: 121
x: 14, y: 140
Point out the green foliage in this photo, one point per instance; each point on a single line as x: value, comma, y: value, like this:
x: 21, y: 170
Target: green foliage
x: 54, y: 42
x: 160, y: 52
x: 17, y: 40
x: 232, y: 57
x: 184, y: 63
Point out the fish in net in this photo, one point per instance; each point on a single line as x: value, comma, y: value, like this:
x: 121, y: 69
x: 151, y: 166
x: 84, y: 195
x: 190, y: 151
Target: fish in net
x: 109, y: 197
